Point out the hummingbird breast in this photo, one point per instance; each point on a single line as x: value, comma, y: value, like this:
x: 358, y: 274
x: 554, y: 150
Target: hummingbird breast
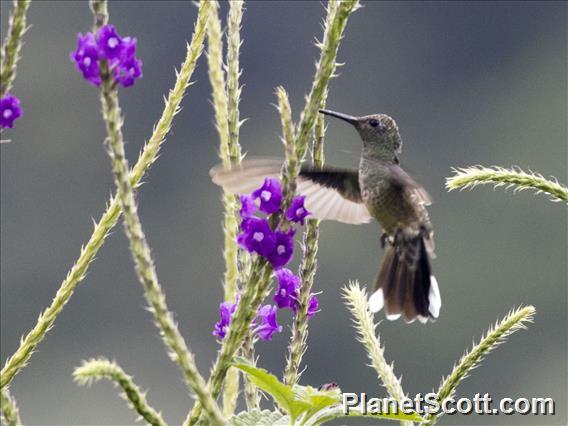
x: 389, y: 203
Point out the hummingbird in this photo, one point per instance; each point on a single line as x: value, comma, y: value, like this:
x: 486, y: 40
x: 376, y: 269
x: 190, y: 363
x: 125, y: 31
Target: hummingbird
x: 379, y: 189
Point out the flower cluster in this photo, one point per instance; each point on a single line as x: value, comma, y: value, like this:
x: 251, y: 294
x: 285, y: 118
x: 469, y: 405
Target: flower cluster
x: 264, y: 324
x: 288, y: 291
x: 107, y: 45
x: 9, y: 111
x: 276, y: 246
x: 257, y: 236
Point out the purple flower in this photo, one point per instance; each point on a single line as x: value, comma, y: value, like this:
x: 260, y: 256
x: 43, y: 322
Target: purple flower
x: 86, y: 58
x: 297, y: 212
x: 283, y: 249
x: 270, y: 195
x: 256, y: 236
x: 127, y: 69
x: 248, y: 207
x: 226, y: 311
x: 9, y: 111
x: 110, y: 44
x: 288, y: 286
x: 313, y: 306
x: 268, y: 325
x: 127, y: 72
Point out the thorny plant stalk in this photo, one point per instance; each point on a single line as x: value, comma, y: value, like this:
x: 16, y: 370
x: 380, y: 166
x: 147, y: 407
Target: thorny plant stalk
x: 515, y: 320
x: 234, y: 89
x: 470, y: 177
x: 337, y: 15
x: 308, y: 267
x: 12, y: 45
x: 259, y: 280
x: 10, y: 54
x: 109, y: 219
x: 252, y: 398
x: 226, y: 95
x: 357, y: 302
x: 98, y: 369
x: 8, y: 409
x: 288, y: 139
x: 141, y: 251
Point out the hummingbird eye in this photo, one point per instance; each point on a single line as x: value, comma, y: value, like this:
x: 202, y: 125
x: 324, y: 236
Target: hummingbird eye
x: 373, y: 122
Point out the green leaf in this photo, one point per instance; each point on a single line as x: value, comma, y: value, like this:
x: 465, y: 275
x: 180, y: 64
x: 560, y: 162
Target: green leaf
x: 260, y: 418
x: 308, y: 404
x: 316, y: 399
x: 282, y: 394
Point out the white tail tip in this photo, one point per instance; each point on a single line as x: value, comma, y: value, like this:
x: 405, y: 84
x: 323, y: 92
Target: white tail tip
x: 376, y: 301
x: 434, y: 297
x: 392, y: 317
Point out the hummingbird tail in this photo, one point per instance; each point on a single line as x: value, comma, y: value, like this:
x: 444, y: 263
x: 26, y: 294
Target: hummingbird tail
x: 405, y: 285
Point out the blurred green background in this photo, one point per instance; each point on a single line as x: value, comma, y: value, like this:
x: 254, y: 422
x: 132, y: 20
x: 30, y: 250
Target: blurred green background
x: 468, y: 83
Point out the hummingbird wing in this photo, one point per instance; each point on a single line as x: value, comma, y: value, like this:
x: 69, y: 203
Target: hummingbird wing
x: 400, y: 179
x: 331, y: 193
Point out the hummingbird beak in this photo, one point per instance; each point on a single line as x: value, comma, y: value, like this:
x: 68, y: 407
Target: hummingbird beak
x: 349, y: 118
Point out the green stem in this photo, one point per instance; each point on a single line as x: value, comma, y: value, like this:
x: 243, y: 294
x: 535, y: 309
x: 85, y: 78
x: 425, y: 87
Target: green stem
x: 494, y: 337
x: 12, y: 45
x: 291, y: 165
x: 100, y: 13
x: 140, y: 250
x: 9, y: 409
x: 308, y: 267
x: 251, y: 392
x: 226, y: 105
x: 357, y: 303
x: 109, y: 219
x: 260, y: 277
x: 249, y: 302
x: 233, y: 73
x: 470, y: 177
x: 338, y: 13
x: 98, y: 369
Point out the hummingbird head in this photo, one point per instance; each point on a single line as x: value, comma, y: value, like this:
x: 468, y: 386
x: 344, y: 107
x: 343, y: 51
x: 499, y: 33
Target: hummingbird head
x: 379, y: 132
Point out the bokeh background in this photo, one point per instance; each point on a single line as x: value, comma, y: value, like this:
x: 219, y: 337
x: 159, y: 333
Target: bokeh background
x: 468, y: 83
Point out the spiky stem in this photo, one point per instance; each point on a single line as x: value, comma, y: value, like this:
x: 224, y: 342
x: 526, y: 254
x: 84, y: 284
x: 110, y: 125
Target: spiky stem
x: 110, y: 217
x: 470, y: 177
x: 140, y: 249
x: 247, y: 307
x: 308, y: 267
x: 101, y: 368
x: 226, y: 103
x: 233, y: 73
x: 261, y: 272
x: 252, y: 399
x: 9, y: 409
x: 338, y: 13
x: 12, y: 45
x: 291, y: 165
x: 515, y: 320
x: 357, y: 303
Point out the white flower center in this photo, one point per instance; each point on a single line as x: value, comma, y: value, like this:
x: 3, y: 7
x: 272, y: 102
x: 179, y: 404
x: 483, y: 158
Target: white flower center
x: 112, y: 42
x: 87, y: 61
x: 266, y: 195
x: 7, y: 113
x: 300, y: 211
x: 283, y: 292
x: 281, y: 249
x: 258, y: 236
